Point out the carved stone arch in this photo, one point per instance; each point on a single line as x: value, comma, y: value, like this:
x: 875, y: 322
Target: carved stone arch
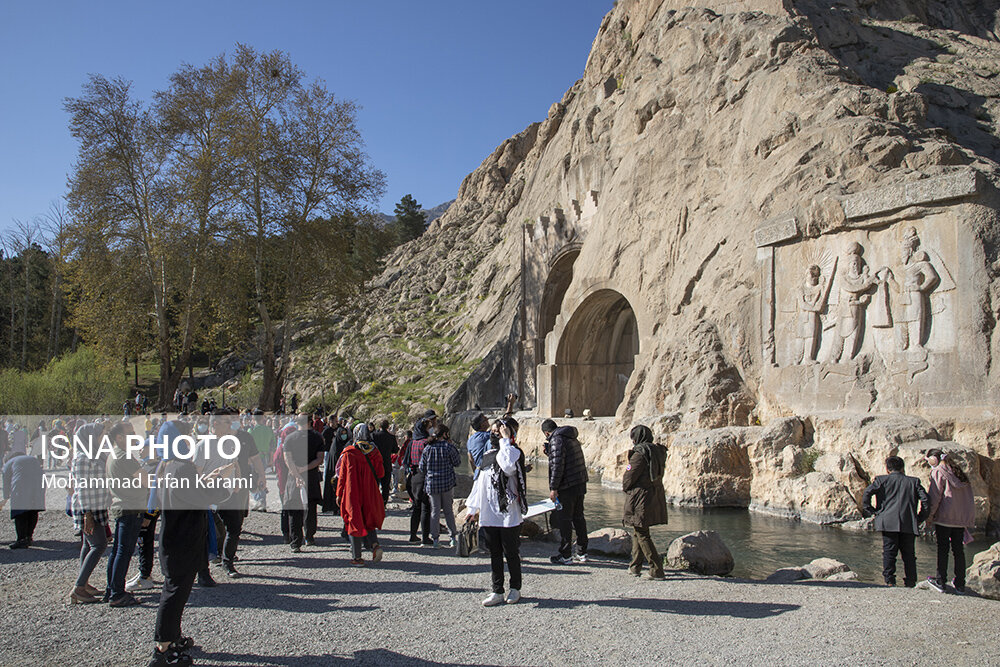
x: 593, y: 349
x: 557, y: 282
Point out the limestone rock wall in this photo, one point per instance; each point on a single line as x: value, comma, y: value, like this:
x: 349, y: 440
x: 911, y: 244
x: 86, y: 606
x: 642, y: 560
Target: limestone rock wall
x: 733, y: 218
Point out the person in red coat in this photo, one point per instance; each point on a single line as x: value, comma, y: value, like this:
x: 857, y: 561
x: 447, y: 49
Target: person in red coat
x: 359, y: 494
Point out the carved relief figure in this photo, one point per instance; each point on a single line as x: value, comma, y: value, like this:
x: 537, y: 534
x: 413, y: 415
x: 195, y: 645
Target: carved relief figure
x: 920, y: 279
x: 812, y: 298
x: 856, y: 287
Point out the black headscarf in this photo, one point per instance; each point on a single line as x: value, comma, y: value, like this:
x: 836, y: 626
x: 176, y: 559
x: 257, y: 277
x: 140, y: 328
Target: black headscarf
x: 655, y: 455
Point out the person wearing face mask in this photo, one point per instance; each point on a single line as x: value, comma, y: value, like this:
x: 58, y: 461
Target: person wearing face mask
x: 953, y: 515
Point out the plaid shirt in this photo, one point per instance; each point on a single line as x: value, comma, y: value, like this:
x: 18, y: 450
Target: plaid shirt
x: 93, y: 498
x: 438, y: 462
x: 417, y: 452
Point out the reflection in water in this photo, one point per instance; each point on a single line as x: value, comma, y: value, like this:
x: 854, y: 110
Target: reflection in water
x: 760, y: 544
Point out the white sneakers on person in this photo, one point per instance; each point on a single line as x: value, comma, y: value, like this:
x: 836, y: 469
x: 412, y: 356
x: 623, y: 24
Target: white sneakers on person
x: 513, y: 596
x: 493, y: 600
x: 580, y: 558
x: 139, y: 584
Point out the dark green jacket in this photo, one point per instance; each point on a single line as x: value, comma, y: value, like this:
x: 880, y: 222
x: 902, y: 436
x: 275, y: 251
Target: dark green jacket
x: 645, y: 500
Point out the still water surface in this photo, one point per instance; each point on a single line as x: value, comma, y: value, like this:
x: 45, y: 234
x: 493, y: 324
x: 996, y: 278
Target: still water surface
x: 760, y: 544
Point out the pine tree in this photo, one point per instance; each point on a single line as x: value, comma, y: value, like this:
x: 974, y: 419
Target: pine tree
x: 410, y: 220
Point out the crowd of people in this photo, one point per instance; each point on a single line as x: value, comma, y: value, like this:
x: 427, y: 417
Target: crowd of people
x: 350, y: 467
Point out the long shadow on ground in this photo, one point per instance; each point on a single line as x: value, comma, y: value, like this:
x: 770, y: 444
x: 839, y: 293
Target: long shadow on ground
x: 682, y: 607
x: 377, y: 656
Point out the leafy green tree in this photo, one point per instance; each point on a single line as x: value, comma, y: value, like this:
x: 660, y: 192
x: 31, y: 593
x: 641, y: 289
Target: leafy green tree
x: 410, y: 220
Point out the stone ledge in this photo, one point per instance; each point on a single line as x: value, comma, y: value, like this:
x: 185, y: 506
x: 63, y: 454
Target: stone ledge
x: 776, y: 231
x: 927, y: 191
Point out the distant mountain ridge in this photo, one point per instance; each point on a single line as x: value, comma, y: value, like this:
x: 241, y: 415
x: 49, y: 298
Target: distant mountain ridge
x: 432, y: 213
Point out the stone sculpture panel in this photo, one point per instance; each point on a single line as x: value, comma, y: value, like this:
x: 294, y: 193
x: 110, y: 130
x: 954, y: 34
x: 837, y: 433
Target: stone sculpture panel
x: 880, y: 304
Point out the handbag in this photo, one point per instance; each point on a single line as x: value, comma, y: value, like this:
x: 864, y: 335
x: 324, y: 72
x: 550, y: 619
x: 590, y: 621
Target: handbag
x: 468, y: 539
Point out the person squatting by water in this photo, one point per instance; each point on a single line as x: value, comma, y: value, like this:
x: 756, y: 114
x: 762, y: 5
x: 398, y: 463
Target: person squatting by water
x: 645, y: 499
x: 498, y: 501
x: 896, y: 516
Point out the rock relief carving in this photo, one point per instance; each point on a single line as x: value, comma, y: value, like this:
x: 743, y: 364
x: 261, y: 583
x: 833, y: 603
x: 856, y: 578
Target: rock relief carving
x: 857, y: 287
x: 812, y: 298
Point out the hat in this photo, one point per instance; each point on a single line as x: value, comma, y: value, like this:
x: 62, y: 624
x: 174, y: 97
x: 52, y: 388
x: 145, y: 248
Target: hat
x: 430, y: 414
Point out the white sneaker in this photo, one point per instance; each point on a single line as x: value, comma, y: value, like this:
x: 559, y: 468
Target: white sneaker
x: 493, y: 600
x: 139, y: 584
x: 451, y: 543
x: 580, y: 558
x: 513, y: 596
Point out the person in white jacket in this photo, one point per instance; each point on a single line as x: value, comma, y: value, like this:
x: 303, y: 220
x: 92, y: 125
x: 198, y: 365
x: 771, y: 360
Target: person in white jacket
x: 499, y: 500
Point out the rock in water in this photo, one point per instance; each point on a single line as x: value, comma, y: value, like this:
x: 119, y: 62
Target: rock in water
x: 787, y: 575
x: 984, y: 575
x: 610, y: 541
x: 703, y: 552
x: 824, y: 568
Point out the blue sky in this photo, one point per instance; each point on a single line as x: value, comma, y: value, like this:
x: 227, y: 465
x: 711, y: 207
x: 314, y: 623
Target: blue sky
x: 440, y: 83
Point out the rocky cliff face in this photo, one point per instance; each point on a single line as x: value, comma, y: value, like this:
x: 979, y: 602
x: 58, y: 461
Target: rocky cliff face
x: 733, y: 218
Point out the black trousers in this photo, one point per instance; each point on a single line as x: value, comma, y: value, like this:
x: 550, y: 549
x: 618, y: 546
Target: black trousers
x: 291, y: 526
x: 233, y: 521
x: 421, y: 516
x: 147, y: 538
x: 173, y: 597
x: 901, y: 544
x: 570, y: 517
x: 24, y: 524
x: 312, y: 517
x: 504, y: 543
x: 950, y: 539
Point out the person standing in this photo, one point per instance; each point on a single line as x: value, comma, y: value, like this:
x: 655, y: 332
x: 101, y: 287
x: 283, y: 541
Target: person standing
x: 22, y: 487
x: 421, y: 515
x: 184, y: 521
x: 478, y: 443
x: 129, y: 497
x: 896, y: 515
x: 89, y: 507
x: 645, y: 499
x: 567, y: 487
x: 387, y: 445
x: 293, y: 452
x: 953, y: 515
x: 499, y: 500
x: 358, y: 494
x: 437, y: 463
x: 248, y: 467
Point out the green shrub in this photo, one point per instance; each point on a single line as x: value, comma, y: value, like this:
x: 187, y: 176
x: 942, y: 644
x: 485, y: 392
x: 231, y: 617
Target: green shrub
x: 76, y: 383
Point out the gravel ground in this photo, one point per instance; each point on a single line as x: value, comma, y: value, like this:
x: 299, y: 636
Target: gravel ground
x: 422, y: 607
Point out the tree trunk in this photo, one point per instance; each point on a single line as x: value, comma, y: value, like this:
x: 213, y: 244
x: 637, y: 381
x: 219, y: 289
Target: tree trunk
x: 24, y: 315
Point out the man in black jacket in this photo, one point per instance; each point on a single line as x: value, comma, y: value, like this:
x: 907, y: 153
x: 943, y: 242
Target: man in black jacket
x: 896, y: 515
x: 567, y: 486
x: 387, y: 445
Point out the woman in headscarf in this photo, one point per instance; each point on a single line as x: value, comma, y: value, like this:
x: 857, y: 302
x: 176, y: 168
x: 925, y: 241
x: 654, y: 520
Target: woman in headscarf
x: 359, y: 494
x: 499, y: 501
x: 645, y: 499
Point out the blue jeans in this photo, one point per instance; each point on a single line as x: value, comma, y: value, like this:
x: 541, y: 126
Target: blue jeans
x: 126, y: 535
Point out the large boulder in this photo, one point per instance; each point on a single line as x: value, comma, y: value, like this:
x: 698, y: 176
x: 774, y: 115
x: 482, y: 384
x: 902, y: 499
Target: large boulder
x: 708, y: 469
x: 703, y: 552
x: 824, y: 568
x: 610, y: 541
x: 984, y: 575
